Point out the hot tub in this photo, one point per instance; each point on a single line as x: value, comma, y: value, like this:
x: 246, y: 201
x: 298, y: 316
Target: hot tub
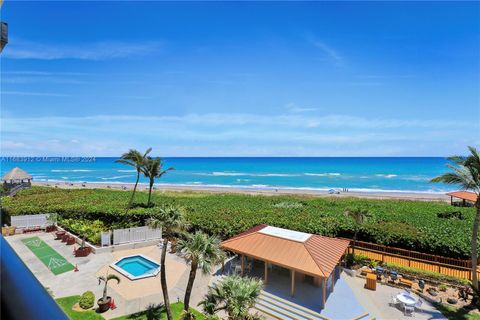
x: 136, y: 267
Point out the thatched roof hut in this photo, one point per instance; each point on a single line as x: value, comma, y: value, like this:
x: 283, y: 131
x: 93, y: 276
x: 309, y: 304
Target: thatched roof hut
x: 16, y: 174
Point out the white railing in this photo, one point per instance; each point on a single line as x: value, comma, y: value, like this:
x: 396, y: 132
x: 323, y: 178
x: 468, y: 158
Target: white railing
x: 28, y: 221
x: 121, y: 236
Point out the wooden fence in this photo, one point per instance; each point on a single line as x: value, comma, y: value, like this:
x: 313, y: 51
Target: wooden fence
x: 423, y: 261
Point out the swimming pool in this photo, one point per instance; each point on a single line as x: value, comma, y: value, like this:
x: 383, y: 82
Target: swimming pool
x: 136, y: 267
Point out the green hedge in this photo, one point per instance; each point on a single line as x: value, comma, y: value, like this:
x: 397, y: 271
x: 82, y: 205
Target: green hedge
x: 87, y: 300
x: 407, y: 224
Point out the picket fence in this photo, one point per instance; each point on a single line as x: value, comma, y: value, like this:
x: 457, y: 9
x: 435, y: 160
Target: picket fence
x: 121, y: 236
x: 29, y: 221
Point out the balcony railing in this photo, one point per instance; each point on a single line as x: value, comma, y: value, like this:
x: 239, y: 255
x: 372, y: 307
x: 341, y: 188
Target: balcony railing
x: 22, y: 295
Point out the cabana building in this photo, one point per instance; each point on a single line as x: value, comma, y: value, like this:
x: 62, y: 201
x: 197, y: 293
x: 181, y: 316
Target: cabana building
x: 296, y: 258
x: 465, y: 198
x: 16, y: 179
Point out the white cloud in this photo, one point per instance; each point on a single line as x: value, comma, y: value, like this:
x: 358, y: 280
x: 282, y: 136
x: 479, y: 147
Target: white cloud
x: 327, y: 50
x: 21, y: 49
x: 215, y: 134
x: 292, y: 107
x: 29, y: 93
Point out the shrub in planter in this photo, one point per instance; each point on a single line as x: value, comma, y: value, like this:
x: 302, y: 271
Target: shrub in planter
x: 452, y: 300
x: 432, y: 291
x: 70, y: 240
x: 83, y: 252
x: 59, y: 235
x: 87, y: 300
x: 51, y: 228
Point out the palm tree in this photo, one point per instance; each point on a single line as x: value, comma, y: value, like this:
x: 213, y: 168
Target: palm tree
x: 105, y: 279
x: 466, y: 174
x: 201, y: 251
x: 134, y: 159
x: 235, y: 295
x: 359, y: 216
x: 172, y: 221
x: 152, y: 169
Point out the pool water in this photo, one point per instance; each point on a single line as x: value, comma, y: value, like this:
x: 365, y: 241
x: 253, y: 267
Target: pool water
x: 136, y: 267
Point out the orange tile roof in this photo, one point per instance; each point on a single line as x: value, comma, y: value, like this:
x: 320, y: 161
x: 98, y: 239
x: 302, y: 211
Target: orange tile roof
x: 316, y: 256
x: 466, y: 195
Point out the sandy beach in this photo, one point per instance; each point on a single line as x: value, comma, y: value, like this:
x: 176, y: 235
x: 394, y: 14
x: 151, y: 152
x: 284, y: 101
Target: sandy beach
x: 268, y: 192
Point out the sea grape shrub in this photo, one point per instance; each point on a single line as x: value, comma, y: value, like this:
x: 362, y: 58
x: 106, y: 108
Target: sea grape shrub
x: 412, y: 225
x: 85, y: 228
x: 87, y: 300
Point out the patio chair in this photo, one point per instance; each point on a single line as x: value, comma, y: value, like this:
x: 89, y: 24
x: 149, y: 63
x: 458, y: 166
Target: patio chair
x: 238, y: 270
x: 419, y: 303
x: 409, y: 310
x: 394, y: 301
x: 393, y: 276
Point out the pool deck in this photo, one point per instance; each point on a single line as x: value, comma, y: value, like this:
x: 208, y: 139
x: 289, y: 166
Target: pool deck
x: 348, y: 299
x: 130, y: 295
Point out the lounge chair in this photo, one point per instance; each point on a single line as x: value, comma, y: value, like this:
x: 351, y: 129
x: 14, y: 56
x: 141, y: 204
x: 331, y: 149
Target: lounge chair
x: 419, y: 303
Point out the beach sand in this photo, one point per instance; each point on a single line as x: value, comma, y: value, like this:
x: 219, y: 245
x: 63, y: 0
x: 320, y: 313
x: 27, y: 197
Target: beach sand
x: 267, y: 192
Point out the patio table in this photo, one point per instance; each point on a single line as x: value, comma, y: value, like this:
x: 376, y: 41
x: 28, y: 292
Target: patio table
x: 406, y: 299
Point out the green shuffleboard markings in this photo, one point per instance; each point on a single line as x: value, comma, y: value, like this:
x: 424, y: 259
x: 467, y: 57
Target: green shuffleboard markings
x: 50, y: 258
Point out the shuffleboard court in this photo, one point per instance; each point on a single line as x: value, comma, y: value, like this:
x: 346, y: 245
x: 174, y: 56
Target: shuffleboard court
x: 50, y: 258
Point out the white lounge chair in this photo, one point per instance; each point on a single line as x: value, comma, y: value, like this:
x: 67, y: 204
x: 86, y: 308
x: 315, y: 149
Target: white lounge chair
x: 419, y: 303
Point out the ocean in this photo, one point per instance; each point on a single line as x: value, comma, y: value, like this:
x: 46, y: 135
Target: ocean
x: 375, y: 174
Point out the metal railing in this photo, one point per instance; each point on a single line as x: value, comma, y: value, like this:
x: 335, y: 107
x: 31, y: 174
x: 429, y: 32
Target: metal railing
x: 22, y: 295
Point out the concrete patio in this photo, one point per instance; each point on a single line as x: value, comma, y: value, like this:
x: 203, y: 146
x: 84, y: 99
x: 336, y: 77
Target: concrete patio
x: 348, y: 300
x: 130, y: 295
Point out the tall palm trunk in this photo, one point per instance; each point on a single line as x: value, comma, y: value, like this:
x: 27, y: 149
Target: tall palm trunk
x: 150, y: 192
x: 163, y: 280
x: 188, y: 291
x: 134, y: 189
x: 476, y: 223
x: 354, y: 242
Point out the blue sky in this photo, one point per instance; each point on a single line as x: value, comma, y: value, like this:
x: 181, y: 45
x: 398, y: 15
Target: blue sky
x: 241, y: 79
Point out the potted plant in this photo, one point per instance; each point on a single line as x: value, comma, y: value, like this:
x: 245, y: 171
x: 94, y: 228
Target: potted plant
x: 84, y: 250
x: 52, y: 220
x: 432, y: 291
x: 105, y: 300
x: 70, y: 240
x: 65, y: 237
x: 59, y: 234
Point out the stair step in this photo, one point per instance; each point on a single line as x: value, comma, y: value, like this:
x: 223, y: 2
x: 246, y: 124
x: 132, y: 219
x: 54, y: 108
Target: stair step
x: 310, y: 314
x: 298, y: 313
x: 271, y: 312
x: 277, y: 311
